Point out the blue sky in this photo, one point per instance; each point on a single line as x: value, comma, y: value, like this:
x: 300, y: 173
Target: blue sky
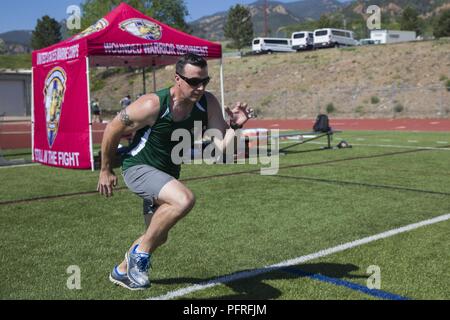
x: 23, y: 14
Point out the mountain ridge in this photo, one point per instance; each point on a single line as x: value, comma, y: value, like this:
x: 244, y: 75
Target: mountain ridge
x: 352, y: 13
x: 280, y: 15
x: 17, y: 41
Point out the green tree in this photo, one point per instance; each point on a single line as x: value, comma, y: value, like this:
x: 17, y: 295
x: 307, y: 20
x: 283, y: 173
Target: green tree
x: 46, y: 33
x: 442, y: 25
x: 239, y: 26
x: 3, y: 49
x: 170, y: 12
x: 323, y: 22
x: 331, y: 21
x: 410, y: 20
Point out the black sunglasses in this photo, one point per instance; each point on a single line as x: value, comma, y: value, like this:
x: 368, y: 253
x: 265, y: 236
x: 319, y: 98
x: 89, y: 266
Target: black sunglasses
x: 195, y: 82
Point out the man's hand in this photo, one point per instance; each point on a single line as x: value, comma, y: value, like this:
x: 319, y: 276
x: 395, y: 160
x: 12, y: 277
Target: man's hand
x: 106, y: 182
x: 240, y: 114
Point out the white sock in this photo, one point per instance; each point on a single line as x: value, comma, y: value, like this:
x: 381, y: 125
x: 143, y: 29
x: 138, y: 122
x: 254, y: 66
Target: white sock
x: 140, y: 251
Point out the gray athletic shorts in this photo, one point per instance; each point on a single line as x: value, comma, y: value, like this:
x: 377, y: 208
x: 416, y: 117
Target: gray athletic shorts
x: 147, y: 182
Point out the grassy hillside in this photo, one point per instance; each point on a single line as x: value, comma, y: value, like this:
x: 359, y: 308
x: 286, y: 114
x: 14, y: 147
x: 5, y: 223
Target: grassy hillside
x: 400, y: 80
x: 20, y: 61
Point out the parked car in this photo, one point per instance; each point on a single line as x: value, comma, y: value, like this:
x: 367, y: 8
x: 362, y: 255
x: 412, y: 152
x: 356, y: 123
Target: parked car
x: 365, y: 42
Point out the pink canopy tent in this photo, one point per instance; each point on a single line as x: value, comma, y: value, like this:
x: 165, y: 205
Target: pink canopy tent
x: 62, y: 128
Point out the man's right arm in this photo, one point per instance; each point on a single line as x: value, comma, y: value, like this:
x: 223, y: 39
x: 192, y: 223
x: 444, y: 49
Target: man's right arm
x: 141, y: 113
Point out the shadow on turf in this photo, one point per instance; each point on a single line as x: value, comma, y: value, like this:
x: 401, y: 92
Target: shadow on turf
x: 257, y: 288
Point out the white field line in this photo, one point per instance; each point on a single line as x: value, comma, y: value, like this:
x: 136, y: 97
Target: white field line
x: 19, y: 165
x: 398, y: 146
x: 287, y: 142
x: 376, y: 145
x: 15, y: 132
x: 298, y: 260
x: 29, y: 132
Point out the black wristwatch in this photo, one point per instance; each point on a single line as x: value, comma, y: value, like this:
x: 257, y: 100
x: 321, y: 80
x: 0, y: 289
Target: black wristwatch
x: 235, y: 126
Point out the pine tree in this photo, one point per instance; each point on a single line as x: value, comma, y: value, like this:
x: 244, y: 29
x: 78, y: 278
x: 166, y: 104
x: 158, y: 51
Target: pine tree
x: 239, y: 26
x: 324, y: 22
x: 330, y: 21
x: 170, y: 12
x: 442, y: 25
x: 46, y: 33
x: 410, y: 20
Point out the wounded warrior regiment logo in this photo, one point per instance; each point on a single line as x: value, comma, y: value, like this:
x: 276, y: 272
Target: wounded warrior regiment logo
x: 98, y: 26
x: 54, y: 90
x: 142, y: 28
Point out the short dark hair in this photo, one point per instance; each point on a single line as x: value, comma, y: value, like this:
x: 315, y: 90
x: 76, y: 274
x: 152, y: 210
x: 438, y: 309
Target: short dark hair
x: 190, y: 58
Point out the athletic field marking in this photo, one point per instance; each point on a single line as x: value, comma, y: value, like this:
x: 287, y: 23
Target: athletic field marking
x: 299, y: 260
x: 389, y: 154
x: 15, y: 132
x: 413, y: 141
x: 19, y: 165
x: 397, y: 146
x: 380, y: 145
x: 442, y: 142
x: 354, y: 183
x: 29, y: 132
x: 347, y: 284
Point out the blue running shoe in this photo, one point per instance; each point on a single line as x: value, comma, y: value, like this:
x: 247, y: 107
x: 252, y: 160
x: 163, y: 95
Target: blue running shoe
x: 137, y: 267
x: 123, y: 280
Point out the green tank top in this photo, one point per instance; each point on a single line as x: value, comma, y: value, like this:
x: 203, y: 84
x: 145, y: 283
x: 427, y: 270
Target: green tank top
x: 153, y: 145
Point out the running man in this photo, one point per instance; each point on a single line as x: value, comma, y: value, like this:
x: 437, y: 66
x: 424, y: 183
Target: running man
x: 148, y: 169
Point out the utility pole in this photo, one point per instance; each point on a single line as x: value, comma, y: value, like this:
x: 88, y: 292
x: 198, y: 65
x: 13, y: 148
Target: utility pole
x: 266, y: 23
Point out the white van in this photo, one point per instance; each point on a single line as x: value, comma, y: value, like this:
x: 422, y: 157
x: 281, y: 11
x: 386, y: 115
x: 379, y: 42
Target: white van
x: 269, y: 45
x: 328, y: 37
x: 302, y: 40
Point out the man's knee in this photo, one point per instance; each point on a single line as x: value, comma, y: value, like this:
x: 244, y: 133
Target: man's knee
x: 185, y: 202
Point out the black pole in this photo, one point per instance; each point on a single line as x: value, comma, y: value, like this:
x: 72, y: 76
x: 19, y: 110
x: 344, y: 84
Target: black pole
x: 143, y: 81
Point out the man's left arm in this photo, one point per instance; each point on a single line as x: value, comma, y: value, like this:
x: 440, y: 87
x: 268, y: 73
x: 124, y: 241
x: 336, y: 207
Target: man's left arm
x: 239, y: 115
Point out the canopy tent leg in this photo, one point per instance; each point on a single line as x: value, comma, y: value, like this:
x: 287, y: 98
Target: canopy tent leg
x: 154, y: 76
x: 144, y: 85
x: 90, y: 116
x: 222, y: 92
x: 32, y: 114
